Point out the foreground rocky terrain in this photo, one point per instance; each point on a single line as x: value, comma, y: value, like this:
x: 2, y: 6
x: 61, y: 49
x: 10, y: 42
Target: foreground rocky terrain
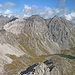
x: 55, y: 65
x: 26, y: 41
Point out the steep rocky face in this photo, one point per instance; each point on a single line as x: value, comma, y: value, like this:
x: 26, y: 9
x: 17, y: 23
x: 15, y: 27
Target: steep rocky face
x: 23, y: 41
x: 61, y: 30
x: 55, y: 65
x: 40, y: 69
x: 33, y: 33
x: 56, y: 32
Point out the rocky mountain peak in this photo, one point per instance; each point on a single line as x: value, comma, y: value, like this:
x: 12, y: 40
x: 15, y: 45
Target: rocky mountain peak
x: 36, y: 17
x: 57, y: 29
x: 26, y: 41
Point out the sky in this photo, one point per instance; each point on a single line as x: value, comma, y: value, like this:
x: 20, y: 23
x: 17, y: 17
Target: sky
x: 44, y: 8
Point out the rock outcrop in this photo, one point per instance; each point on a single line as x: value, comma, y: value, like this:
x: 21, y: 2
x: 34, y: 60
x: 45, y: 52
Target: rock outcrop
x: 55, y: 65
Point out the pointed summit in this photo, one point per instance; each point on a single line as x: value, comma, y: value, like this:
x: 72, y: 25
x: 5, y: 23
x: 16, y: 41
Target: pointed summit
x: 36, y: 16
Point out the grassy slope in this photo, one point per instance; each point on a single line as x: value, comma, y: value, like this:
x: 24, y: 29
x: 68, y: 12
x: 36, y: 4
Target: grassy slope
x: 20, y: 63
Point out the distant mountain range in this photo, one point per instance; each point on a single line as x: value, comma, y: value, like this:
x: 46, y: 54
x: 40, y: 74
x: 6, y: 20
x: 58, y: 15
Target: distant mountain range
x: 26, y: 41
x: 4, y: 20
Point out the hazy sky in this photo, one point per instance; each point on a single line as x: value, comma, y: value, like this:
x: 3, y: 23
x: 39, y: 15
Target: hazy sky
x: 45, y: 8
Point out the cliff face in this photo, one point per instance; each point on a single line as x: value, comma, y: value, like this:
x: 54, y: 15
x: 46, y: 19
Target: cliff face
x: 24, y: 40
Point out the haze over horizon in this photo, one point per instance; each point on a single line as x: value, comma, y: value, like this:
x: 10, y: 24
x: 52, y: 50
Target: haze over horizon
x: 44, y: 8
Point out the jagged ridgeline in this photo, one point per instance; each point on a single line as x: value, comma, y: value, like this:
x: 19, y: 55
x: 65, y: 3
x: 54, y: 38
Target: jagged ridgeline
x: 30, y: 40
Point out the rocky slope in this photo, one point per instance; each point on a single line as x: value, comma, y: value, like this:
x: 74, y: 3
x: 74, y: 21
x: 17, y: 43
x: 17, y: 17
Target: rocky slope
x: 56, y: 30
x: 55, y: 65
x: 26, y: 41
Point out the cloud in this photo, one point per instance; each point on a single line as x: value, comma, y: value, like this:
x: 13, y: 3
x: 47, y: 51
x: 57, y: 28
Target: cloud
x: 7, y: 4
x: 46, y: 12
x: 30, y: 10
x: 70, y: 16
x: 8, y: 13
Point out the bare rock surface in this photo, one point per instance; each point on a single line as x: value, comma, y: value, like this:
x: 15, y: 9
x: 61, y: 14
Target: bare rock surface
x: 55, y: 65
x: 23, y: 40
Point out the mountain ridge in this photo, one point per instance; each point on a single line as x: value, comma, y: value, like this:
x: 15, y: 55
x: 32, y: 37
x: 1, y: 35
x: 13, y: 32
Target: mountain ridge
x: 25, y: 39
